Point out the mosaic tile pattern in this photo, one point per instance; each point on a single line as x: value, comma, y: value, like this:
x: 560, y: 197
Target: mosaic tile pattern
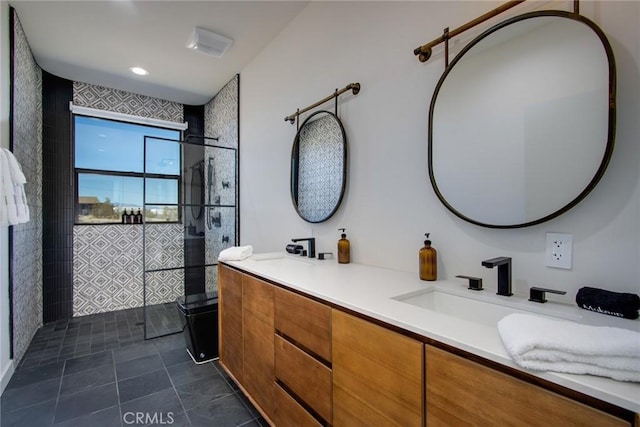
x: 164, y: 286
x: 221, y: 115
x: 102, y: 98
x: 211, y: 276
x: 320, y: 168
x: 164, y: 246
x: 222, y: 189
x: 108, y: 266
x: 27, y: 148
x: 221, y: 120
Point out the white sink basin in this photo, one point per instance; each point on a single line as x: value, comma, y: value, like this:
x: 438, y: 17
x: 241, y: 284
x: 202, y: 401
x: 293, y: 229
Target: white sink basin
x: 480, y: 309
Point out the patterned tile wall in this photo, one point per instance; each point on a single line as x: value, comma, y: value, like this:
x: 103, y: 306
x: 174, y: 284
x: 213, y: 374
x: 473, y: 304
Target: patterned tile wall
x: 221, y: 121
x: 108, y: 266
x: 165, y: 249
x: 221, y: 115
x: 102, y: 98
x: 27, y: 148
x: 108, y: 270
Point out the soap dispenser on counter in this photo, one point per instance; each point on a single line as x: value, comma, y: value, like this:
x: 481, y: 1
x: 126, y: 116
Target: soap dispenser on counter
x: 428, y: 261
x: 344, y: 248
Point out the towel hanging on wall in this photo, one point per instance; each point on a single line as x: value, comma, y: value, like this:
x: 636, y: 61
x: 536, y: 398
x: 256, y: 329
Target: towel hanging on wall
x: 13, y: 200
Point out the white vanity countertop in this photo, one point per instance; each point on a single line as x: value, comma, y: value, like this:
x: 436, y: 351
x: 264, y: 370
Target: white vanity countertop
x: 369, y: 290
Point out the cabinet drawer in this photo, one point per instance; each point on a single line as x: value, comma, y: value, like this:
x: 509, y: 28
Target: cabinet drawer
x: 289, y: 413
x: 305, y: 321
x: 309, y: 379
x: 377, y: 375
x: 257, y: 298
x: 460, y: 391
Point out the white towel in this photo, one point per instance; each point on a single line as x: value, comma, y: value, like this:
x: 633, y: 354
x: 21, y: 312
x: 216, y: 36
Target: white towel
x: 235, y: 253
x: 19, y: 180
x: 544, y: 344
x: 16, y: 170
x: 13, y: 201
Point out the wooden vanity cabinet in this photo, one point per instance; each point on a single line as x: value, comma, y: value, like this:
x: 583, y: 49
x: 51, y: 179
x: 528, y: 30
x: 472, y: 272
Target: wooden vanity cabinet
x: 289, y: 412
x: 304, y: 363
x: 258, y: 350
x: 230, y: 340
x: 304, y: 321
x: 302, y: 360
x: 463, y: 392
x: 377, y: 375
x: 245, y: 306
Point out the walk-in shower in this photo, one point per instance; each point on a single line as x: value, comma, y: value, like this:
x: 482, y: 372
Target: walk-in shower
x: 180, y: 257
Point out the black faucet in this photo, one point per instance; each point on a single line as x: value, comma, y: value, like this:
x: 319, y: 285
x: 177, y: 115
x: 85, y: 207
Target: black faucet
x: 536, y: 294
x: 311, y: 243
x: 504, y: 274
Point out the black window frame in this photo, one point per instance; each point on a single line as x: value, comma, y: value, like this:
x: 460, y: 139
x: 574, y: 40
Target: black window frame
x: 130, y: 174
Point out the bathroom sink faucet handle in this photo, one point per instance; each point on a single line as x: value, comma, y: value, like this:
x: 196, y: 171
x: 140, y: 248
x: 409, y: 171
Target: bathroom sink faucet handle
x: 311, y: 245
x: 475, y: 283
x: 537, y: 294
x: 504, y: 274
x: 322, y: 255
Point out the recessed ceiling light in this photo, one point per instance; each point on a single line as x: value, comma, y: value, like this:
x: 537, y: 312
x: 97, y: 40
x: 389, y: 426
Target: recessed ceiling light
x: 139, y: 71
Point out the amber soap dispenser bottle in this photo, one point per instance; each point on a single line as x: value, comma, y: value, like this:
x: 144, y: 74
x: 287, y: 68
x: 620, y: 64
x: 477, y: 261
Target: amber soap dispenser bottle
x: 428, y: 261
x: 344, y: 248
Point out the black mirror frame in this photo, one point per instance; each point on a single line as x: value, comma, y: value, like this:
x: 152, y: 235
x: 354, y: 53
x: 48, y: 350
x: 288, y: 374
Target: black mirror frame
x: 612, y: 115
x: 295, y: 155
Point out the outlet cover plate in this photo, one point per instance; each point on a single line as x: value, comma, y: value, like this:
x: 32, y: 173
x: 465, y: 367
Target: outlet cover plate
x: 559, y: 250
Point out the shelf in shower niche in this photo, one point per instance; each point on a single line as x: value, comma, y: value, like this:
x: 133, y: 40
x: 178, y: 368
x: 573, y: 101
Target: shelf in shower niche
x: 189, y: 205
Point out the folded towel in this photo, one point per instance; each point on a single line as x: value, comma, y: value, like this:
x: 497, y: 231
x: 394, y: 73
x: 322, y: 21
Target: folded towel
x: 13, y: 201
x: 294, y: 249
x: 544, y: 344
x: 235, y: 253
x: 608, y: 302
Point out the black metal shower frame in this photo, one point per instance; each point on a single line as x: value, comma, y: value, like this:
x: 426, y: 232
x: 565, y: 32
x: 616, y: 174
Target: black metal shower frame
x: 182, y: 205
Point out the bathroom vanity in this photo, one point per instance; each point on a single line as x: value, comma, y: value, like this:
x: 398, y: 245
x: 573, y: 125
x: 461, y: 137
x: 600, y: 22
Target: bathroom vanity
x: 315, y: 343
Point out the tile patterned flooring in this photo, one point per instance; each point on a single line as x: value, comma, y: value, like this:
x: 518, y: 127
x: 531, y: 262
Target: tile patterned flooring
x: 162, y: 319
x: 99, y: 371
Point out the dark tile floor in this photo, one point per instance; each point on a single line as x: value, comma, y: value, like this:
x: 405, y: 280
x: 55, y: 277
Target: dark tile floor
x: 162, y: 319
x: 99, y: 371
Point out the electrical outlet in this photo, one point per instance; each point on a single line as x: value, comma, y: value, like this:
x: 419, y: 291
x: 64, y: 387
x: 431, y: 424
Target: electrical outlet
x: 559, y: 250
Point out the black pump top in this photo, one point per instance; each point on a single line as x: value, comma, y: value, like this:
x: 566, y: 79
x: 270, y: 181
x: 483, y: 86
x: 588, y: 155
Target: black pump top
x: 344, y: 236
x: 427, y: 242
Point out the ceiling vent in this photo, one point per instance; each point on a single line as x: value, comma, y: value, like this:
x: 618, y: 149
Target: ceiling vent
x: 208, y: 42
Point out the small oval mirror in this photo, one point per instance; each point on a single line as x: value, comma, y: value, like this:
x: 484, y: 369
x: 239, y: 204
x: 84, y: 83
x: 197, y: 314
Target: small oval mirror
x: 197, y: 191
x: 319, y: 167
x: 522, y: 122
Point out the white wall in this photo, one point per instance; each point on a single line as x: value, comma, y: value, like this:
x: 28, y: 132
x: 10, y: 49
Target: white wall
x: 6, y: 364
x: 389, y: 203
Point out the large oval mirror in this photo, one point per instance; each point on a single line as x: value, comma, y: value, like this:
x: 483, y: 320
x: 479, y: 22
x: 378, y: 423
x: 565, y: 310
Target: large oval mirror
x: 522, y: 122
x: 319, y: 167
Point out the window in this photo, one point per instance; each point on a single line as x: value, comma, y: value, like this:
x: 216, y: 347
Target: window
x: 114, y: 172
